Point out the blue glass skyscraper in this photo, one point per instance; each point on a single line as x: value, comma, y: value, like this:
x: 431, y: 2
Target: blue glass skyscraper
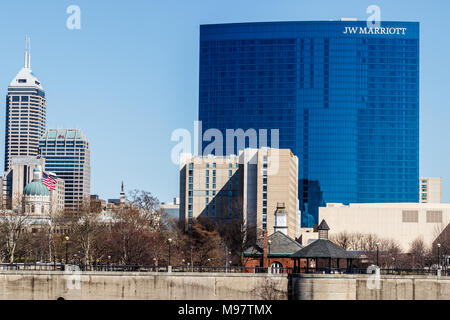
x: 344, y: 96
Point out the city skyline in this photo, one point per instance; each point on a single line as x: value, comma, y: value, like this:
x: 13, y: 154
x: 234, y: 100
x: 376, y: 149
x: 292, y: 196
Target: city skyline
x: 169, y: 63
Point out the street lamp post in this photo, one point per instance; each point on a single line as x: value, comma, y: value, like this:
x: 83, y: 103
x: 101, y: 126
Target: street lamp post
x: 169, y: 241
x: 192, y: 262
x: 67, y: 247
x: 378, y: 251
x: 438, y: 256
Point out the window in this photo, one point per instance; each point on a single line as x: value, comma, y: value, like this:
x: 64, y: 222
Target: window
x: 214, y: 164
x: 434, y: 216
x: 276, y: 267
x: 230, y: 165
x: 410, y: 216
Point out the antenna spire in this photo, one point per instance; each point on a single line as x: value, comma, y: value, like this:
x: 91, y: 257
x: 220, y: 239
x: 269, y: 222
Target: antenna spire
x: 27, y: 52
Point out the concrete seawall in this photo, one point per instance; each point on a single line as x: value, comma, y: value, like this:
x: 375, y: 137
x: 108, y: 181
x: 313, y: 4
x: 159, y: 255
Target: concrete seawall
x: 365, y: 287
x: 51, y: 285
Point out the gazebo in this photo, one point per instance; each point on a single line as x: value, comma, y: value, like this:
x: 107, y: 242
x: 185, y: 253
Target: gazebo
x: 322, y: 248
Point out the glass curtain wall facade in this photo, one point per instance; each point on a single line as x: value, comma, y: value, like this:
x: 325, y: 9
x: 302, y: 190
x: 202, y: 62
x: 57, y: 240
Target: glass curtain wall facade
x: 344, y: 97
x: 67, y: 154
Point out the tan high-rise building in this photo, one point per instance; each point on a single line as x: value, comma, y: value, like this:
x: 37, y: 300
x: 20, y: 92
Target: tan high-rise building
x: 251, y: 185
x: 430, y: 190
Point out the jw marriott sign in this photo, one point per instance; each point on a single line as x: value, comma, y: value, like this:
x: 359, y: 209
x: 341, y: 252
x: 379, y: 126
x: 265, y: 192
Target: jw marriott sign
x: 374, y: 30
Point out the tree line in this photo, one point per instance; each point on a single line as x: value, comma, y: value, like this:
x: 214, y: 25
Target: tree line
x: 138, y: 233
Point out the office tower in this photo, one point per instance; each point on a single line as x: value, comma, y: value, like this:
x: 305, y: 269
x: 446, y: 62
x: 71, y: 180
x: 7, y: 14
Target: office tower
x: 25, y: 113
x: 249, y: 186
x: 67, y: 154
x: 430, y: 190
x: 344, y: 96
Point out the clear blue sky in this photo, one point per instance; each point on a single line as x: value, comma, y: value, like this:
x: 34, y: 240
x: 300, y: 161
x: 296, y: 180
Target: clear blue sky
x: 129, y: 77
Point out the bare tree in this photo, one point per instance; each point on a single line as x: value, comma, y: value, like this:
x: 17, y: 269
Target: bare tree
x: 12, y: 228
x: 419, y: 253
x: 148, y: 207
x: 85, y: 226
x: 389, y: 251
x: 270, y: 290
x: 342, y: 239
x: 239, y: 232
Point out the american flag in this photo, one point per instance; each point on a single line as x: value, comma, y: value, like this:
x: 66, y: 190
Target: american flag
x: 48, y: 181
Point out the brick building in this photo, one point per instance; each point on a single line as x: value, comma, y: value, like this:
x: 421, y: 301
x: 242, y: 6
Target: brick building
x: 275, y: 251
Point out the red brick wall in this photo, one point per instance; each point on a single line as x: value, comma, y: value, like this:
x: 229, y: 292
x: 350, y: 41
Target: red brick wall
x: 286, y: 262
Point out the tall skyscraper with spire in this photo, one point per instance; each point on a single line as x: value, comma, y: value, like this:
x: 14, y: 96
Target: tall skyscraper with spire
x: 25, y: 113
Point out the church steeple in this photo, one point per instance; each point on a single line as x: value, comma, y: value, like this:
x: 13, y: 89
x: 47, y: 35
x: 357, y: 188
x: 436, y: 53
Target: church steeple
x: 122, y: 194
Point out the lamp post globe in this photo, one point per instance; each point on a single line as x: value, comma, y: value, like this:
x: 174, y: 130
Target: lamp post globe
x: 67, y: 247
x: 438, y: 255
x: 169, y: 242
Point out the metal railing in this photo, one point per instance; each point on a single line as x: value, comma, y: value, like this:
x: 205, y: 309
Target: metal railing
x: 214, y: 269
x: 383, y: 271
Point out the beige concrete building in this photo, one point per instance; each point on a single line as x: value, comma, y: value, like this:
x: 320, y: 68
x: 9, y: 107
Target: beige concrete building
x: 19, y: 175
x: 430, y: 190
x: 57, y: 197
x: 249, y: 185
x: 402, y: 222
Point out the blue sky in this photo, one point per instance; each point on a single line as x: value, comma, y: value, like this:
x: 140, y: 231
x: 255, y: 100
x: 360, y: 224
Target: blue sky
x: 129, y: 76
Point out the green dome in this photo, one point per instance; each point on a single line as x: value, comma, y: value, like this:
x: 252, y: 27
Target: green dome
x: 36, y: 188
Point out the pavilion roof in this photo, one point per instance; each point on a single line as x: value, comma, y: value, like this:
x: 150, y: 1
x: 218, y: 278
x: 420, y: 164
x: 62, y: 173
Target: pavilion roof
x: 323, y: 248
